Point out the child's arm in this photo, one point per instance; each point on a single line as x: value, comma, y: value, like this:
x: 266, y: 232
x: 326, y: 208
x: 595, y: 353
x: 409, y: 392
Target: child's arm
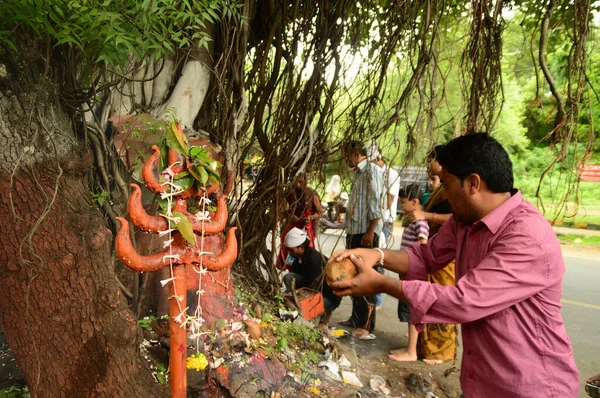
x: 423, y: 231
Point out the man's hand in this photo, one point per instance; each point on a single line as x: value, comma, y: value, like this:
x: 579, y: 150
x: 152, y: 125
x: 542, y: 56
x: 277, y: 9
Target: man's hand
x: 367, y: 238
x: 369, y: 256
x: 367, y: 282
x: 415, y: 215
x: 594, y: 378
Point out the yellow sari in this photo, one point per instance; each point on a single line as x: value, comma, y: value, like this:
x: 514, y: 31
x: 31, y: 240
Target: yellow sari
x: 438, y: 341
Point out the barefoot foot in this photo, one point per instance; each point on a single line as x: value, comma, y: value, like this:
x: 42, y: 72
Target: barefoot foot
x: 360, y: 332
x: 399, y: 351
x: 432, y: 361
x: 404, y: 357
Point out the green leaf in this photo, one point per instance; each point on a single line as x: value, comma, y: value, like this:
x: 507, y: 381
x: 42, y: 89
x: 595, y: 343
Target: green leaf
x: 163, y: 146
x: 163, y: 204
x: 11, y: 44
x: 219, y: 324
x: 282, y: 343
x: 203, y: 175
x: 199, y: 174
x: 213, y: 175
x: 146, y: 323
x: 195, y: 171
x: 213, y: 180
x: 185, y: 182
x: 266, y: 317
x: 199, y: 153
x: 184, y: 226
x: 175, y: 142
x: 181, y: 175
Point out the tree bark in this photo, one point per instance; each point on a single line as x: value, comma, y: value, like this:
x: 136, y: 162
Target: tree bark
x: 65, y: 320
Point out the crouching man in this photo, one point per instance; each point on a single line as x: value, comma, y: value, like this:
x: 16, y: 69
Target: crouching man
x: 307, y: 271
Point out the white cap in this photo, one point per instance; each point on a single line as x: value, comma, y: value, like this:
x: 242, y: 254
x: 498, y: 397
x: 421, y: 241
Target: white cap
x: 295, y: 237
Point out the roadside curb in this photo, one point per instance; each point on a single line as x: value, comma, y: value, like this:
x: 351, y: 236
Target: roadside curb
x: 575, y: 225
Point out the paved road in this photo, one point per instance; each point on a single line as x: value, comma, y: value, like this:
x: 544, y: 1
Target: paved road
x: 581, y: 305
x: 581, y: 309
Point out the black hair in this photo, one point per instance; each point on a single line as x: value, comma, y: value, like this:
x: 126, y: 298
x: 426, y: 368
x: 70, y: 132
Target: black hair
x: 479, y: 154
x: 351, y: 146
x: 411, y: 191
x: 435, y: 153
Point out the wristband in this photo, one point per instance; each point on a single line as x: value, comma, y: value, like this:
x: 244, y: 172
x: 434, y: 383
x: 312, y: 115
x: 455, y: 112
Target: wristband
x: 380, y: 262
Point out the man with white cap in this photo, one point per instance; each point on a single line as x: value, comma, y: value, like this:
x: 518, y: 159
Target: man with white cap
x: 307, y: 271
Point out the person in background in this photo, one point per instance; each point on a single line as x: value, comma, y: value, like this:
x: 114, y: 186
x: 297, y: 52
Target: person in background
x: 335, y: 200
x: 414, y: 233
x: 363, y: 226
x: 437, y: 216
x: 391, y: 181
x: 389, y: 202
x: 437, y: 342
x: 509, y: 271
x: 307, y: 271
x: 334, y: 189
x: 304, y: 209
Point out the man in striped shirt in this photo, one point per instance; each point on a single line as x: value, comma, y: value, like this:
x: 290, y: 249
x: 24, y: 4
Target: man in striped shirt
x: 363, y: 225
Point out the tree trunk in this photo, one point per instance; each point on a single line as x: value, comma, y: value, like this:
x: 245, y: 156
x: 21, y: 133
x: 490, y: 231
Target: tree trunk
x: 65, y: 319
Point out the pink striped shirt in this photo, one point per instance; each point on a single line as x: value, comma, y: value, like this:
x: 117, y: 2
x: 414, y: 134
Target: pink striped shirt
x: 509, y: 271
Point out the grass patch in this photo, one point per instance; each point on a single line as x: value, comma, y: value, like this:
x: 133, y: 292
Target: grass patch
x: 579, y: 240
x: 581, y: 218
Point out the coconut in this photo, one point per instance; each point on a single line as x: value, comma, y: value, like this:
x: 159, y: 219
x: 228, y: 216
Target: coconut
x: 336, y: 271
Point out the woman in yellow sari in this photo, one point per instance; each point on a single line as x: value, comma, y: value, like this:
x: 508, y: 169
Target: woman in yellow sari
x: 437, y: 342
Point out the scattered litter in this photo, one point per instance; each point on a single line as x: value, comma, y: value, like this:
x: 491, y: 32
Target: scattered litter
x: 344, y: 362
x: 330, y: 369
x: 329, y: 365
x: 285, y: 315
x: 350, y: 378
x: 302, y: 321
x: 216, y: 363
x: 369, y: 336
x: 332, y: 376
x: 338, y: 333
x: 377, y: 383
x: 236, y: 326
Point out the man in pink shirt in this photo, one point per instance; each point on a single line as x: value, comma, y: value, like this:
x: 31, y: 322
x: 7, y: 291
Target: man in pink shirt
x: 509, y: 271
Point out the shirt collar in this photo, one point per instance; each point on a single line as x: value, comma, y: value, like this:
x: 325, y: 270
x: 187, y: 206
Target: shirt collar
x: 362, y: 165
x: 496, y: 217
